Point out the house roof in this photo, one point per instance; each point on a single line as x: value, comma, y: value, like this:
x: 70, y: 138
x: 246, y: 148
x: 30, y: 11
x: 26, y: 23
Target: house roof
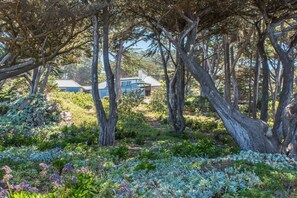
x: 131, y: 78
x: 152, y: 81
x: 67, y: 83
x: 102, y: 85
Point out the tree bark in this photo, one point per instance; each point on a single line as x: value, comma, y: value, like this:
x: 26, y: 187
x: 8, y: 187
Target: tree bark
x: 256, y: 86
x: 265, y: 82
x: 175, y: 90
x: 118, y: 71
x: 107, y: 129
x: 101, y: 117
x: 227, y: 72
x: 234, y: 81
x: 45, y: 79
x: 277, y: 87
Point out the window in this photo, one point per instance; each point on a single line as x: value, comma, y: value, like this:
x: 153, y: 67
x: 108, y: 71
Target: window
x: 126, y: 83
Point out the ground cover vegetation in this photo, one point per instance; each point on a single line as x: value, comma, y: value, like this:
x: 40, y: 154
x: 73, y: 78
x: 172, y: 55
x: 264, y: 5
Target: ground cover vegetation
x: 222, y: 123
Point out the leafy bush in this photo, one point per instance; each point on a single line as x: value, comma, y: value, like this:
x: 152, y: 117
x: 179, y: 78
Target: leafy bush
x: 121, y: 152
x: 202, y: 124
x: 199, y: 104
x: 144, y: 165
x: 133, y: 124
x: 131, y: 100
x: 158, y: 102
x: 84, y: 134
x: 32, y: 110
x: 147, y: 154
x: 204, y: 147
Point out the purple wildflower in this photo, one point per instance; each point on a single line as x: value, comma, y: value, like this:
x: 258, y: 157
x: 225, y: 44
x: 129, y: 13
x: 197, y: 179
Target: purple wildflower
x: 69, y: 168
x: 56, y: 178
x: 4, y: 192
x: 74, y: 180
x: 24, y: 186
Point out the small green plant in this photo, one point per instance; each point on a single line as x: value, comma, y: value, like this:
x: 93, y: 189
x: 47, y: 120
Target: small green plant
x: 121, y: 152
x: 144, y: 165
x: 131, y: 100
x: 139, y: 141
x: 204, y: 147
x: 147, y: 154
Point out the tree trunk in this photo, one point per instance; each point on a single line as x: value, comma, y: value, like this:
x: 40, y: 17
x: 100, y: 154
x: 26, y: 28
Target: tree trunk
x: 45, y: 79
x: 265, y: 83
x: 290, y: 129
x: 256, y: 85
x: 234, y: 81
x: 33, y: 80
x: 227, y: 88
x: 118, y: 71
x: 106, y: 136
x: 250, y: 85
x: 175, y: 90
x: 180, y: 96
x: 277, y: 87
x: 249, y: 134
x: 107, y: 130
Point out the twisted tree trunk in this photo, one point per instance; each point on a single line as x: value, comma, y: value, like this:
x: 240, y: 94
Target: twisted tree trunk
x: 248, y: 133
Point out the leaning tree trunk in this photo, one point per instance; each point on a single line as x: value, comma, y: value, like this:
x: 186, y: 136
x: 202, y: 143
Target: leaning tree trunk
x: 248, y: 133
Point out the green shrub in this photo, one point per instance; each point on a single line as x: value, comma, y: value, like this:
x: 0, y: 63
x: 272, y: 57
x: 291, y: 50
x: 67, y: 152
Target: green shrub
x: 147, y: 154
x: 83, y: 134
x: 17, y: 141
x: 31, y: 111
x: 158, y: 102
x: 133, y: 125
x: 139, y: 141
x: 121, y: 152
x: 204, y: 147
x: 199, y: 104
x: 131, y: 100
x: 202, y: 124
x: 144, y: 165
